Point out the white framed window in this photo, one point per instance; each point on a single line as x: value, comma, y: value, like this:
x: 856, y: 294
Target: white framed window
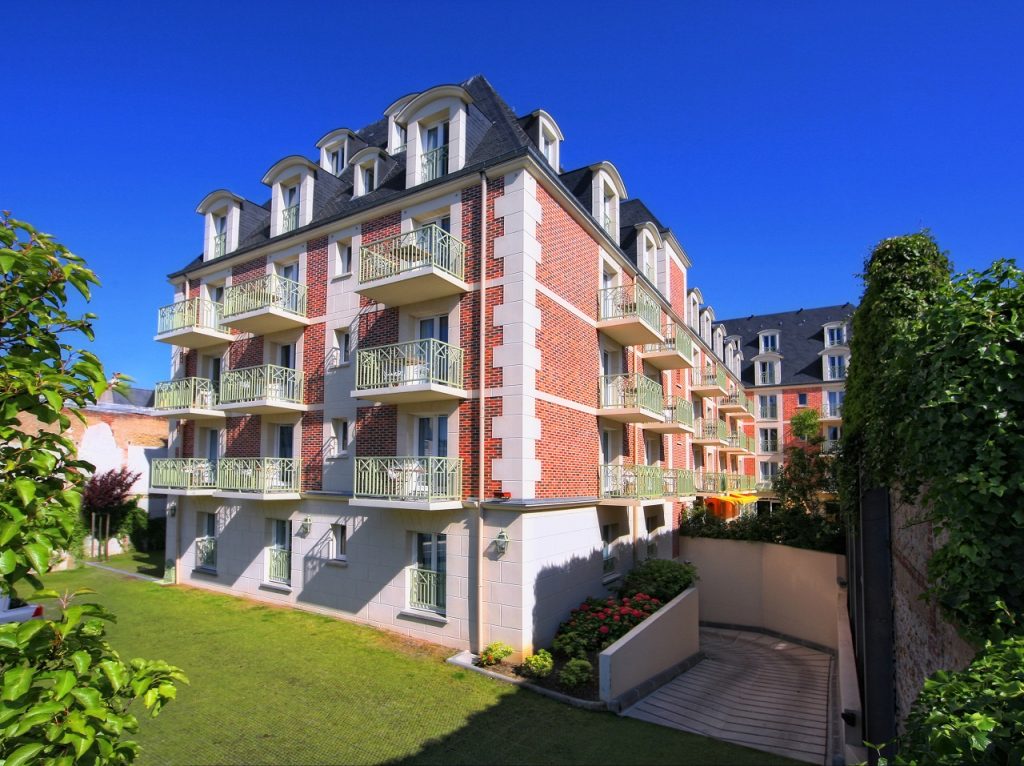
x: 336, y: 157
x: 834, y: 404
x: 769, y: 440
x: 279, y: 552
x: 342, y: 347
x: 609, y: 534
x: 801, y: 399
x: 435, y: 151
x: 290, y: 211
x: 835, y: 367
x: 427, y: 575
x: 835, y: 336
x: 339, y: 542
x: 769, y: 406
x: 769, y: 470
x: 369, y: 179
x: 769, y: 342
x: 342, y: 258
x: 340, y: 429
x: 766, y: 374
x: 206, y: 541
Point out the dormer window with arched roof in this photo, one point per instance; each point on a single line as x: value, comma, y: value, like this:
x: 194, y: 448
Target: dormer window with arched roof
x: 435, y: 124
x: 221, y: 215
x: 693, y: 314
x: 291, y: 200
x: 545, y: 133
x: 706, y: 318
x: 607, y: 191
x: 335, y: 149
x: 649, y: 258
x: 368, y: 165
x: 719, y: 342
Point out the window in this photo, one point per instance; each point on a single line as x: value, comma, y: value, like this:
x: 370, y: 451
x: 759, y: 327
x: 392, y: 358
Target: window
x: 435, y: 152
x: 769, y: 406
x: 834, y: 404
x: 609, y: 534
x: 836, y: 367
x: 338, y: 542
x: 832, y: 436
x: 342, y: 347
x: 548, y: 147
x: 427, y: 575
x: 769, y: 440
x: 206, y: 541
x: 337, y: 160
x: 801, y: 400
x: 766, y: 373
x: 339, y: 426
x: 212, y: 445
x: 835, y: 336
x: 652, y: 542
x: 432, y: 436
x: 769, y: 471
x: 279, y: 552
x: 343, y: 259
x: 770, y: 343
x: 400, y: 132
x: 220, y: 237
x: 286, y: 356
x: 368, y: 179
x: 290, y: 213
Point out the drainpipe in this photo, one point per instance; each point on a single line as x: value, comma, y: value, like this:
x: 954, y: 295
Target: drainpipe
x: 479, y: 627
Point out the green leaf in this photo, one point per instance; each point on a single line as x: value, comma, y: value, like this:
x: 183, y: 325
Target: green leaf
x: 82, y: 661
x: 87, y: 697
x: 25, y: 488
x: 24, y: 754
x: 39, y: 555
x: 17, y: 681
x: 64, y: 682
x: 8, y: 561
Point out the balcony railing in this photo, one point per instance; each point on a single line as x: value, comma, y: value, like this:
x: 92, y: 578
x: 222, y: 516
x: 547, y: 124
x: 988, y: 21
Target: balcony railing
x: 269, y: 291
x: 769, y: 413
x: 832, y: 342
x: 711, y: 429
x: 741, y: 441
x: 279, y: 565
x: 427, y: 246
x: 206, y: 553
x: 410, y: 363
x: 183, y: 473
x: 290, y: 218
x: 765, y: 485
x: 835, y: 372
x: 767, y: 379
x: 412, y: 479
x: 629, y: 302
x: 435, y: 163
x: 631, y: 481
x: 709, y: 377
x: 220, y: 245
x: 739, y: 482
x: 678, y: 410
x: 737, y: 398
x: 709, y: 481
x: 259, y: 475
x: 768, y: 445
x: 266, y: 382
x: 426, y: 589
x: 830, y: 446
x: 678, y: 482
x: 189, y: 314
x: 832, y: 410
x: 185, y: 394
x: 631, y: 391
x: 676, y: 339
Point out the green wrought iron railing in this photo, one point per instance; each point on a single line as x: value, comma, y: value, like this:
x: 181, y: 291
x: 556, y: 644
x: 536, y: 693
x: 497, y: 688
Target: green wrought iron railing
x: 832, y: 410
x: 676, y: 339
x: 268, y: 291
x: 767, y: 378
x: 709, y: 377
x: 220, y: 245
x: 409, y: 363
x: 632, y: 390
x: 678, y: 482
x: 435, y: 163
x: 279, y: 565
x: 410, y: 479
x: 679, y: 410
x: 267, y: 381
x: 290, y: 218
x: 193, y: 313
x: 265, y: 475
x: 769, y: 412
x: 629, y: 302
x: 428, y: 246
x: 185, y: 393
x: 741, y: 441
x: 631, y: 481
x: 709, y: 481
x: 712, y: 429
x: 426, y: 589
x: 182, y: 473
x: 768, y: 445
x: 206, y: 553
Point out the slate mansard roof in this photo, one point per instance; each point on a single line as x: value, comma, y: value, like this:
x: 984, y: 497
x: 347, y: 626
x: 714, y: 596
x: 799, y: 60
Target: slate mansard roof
x: 801, y: 341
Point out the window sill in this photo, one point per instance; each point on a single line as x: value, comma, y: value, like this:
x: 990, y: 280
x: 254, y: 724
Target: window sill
x: 277, y: 587
x: 340, y: 365
x: 205, y: 572
x: 431, y: 617
x: 339, y: 563
x: 337, y: 457
x: 610, y: 578
x: 342, y: 277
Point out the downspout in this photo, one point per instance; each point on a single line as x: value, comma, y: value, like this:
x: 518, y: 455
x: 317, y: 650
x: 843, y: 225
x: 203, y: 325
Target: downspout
x: 481, y: 441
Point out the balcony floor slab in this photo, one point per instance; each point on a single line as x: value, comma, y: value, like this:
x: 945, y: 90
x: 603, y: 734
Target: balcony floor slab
x: 194, y: 337
x: 630, y: 331
x: 408, y: 505
x: 630, y: 415
x: 232, y: 495
x: 422, y: 284
x: 262, y: 407
x: 667, y: 360
x: 192, y: 413
x: 265, y: 321
x: 179, y: 492
x: 412, y: 392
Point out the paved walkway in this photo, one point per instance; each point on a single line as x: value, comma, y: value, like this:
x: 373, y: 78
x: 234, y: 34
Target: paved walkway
x: 754, y: 690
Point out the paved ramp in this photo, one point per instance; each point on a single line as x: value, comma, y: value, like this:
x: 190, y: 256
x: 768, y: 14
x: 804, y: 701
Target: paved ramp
x: 754, y: 690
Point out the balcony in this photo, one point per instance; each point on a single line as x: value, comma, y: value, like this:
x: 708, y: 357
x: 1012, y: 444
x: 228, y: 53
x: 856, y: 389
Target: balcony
x: 710, y: 381
x: 739, y: 482
x: 679, y: 482
x: 835, y: 372
x: 709, y: 482
x: 415, y: 266
x: 769, y: 413
x: 768, y: 446
x: 629, y: 315
x: 262, y: 390
x: 739, y: 443
x: 183, y: 476
x: 258, y: 478
x: 631, y: 398
x: 767, y: 379
x: 830, y: 446
x: 674, y: 353
x: 187, y: 399
x: 426, y: 590
x: 832, y: 411
x: 764, y: 485
x: 631, y: 482
x: 678, y: 417
x: 710, y: 433
x: 415, y: 371
x: 435, y: 163
x: 738, y: 405
x: 419, y: 483
x: 192, y: 323
x: 266, y: 304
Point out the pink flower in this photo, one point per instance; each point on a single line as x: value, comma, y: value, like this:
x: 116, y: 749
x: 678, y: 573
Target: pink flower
x: 617, y: 618
x: 603, y: 629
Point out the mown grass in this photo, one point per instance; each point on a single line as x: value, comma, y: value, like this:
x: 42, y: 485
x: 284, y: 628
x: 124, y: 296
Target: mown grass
x: 150, y: 563
x: 272, y: 685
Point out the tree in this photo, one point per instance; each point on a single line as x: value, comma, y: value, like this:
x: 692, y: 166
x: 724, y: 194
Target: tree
x: 110, y: 494
x: 65, y: 690
x: 806, y: 482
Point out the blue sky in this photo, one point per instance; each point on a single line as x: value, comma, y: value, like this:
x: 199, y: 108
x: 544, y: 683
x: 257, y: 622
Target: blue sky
x: 779, y: 140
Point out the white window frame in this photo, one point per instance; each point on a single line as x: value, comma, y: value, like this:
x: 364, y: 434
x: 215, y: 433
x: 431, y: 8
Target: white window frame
x: 769, y: 343
x: 342, y: 347
x: 801, y: 399
x: 343, y: 258
x: 339, y: 542
x: 342, y: 432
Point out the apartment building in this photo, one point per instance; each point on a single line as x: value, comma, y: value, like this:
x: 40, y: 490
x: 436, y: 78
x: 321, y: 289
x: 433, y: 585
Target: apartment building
x: 438, y: 384
x: 793, y: 361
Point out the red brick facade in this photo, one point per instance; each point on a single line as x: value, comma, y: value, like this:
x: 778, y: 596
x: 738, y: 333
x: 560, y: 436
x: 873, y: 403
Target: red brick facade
x: 569, y: 451
x: 312, y: 450
x: 377, y: 430
x: 244, y: 436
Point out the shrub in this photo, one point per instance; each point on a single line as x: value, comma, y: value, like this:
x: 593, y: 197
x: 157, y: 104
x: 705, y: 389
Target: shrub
x: 495, y: 653
x: 660, y: 578
x: 785, y: 526
x: 595, y: 624
x: 576, y: 673
x: 539, y: 665
x: 975, y: 716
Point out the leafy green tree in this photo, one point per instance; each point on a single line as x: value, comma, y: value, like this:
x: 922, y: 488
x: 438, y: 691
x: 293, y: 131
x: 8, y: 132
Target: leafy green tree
x: 64, y: 691
x: 806, y: 426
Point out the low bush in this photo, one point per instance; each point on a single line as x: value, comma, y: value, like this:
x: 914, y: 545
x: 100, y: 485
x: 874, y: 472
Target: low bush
x: 660, y: 578
x: 596, y: 624
x: 539, y: 665
x: 796, y: 528
x: 495, y: 653
x: 576, y: 673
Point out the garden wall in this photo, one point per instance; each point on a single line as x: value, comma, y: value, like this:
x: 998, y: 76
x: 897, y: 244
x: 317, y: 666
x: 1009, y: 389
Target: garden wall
x: 786, y: 590
x: 659, y: 644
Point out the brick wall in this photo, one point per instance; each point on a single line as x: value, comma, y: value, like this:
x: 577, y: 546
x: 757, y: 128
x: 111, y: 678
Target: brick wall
x: 569, y: 452
x: 570, y: 355
x: 569, y: 266
x: 316, y: 277
x: 471, y: 230
x: 242, y: 272
x: 244, y: 436
x: 246, y: 352
x: 312, y: 450
x: 376, y: 430
x: 377, y: 327
x: 314, y: 352
x: 193, y: 288
x: 677, y: 297
x: 188, y: 439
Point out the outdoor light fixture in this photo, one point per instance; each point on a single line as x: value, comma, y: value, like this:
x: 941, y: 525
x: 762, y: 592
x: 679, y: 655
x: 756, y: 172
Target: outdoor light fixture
x: 501, y: 542
x: 304, y: 528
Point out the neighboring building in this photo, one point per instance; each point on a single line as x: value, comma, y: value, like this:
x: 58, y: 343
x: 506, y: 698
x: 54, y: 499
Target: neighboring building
x: 795, y: 360
x: 437, y: 385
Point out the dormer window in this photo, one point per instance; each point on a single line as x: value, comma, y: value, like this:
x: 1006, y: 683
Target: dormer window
x: 548, y: 148
x: 369, y: 182
x: 221, y: 211
x: 335, y: 149
x: 337, y: 160
x: 367, y: 170
x: 650, y: 260
x: 220, y: 237
x: 835, y: 367
x: 435, y: 151
x: 835, y: 335
x: 770, y: 343
x: 608, y: 210
x: 546, y: 135
x: 400, y: 139
x: 290, y: 210
x: 291, y: 204
x: 437, y: 124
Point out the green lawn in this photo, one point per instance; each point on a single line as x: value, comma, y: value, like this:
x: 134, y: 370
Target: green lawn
x: 275, y: 685
x: 151, y: 563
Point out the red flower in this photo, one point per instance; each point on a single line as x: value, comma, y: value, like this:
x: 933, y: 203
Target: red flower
x: 603, y: 629
x: 584, y: 607
x: 617, y: 618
